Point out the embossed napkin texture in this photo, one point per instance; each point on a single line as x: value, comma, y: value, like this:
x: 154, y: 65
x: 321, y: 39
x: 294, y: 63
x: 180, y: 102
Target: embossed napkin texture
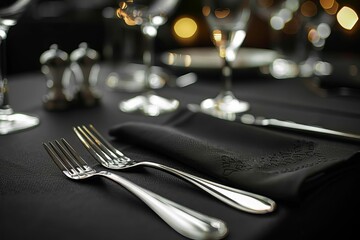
x: 278, y: 164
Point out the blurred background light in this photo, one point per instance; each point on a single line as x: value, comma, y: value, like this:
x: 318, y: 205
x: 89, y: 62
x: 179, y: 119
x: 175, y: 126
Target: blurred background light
x: 308, y: 9
x: 185, y: 30
x: 327, y: 4
x: 347, y: 18
x: 277, y: 22
x: 185, y: 27
x: 206, y: 11
x: 222, y: 13
x: 333, y: 10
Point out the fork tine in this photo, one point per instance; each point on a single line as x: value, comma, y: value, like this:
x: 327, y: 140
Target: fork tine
x: 105, y: 142
x: 66, y: 157
x: 62, y: 158
x: 73, y: 155
x: 98, y: 142
x: 94, y: 150
x: 58, y: 161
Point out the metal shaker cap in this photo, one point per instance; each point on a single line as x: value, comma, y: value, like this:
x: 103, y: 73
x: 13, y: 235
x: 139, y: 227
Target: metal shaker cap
x: 84, y: 54
x: 54, y: 56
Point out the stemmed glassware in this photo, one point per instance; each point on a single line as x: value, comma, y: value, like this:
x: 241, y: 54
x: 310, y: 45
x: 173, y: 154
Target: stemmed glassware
x: 149, y: 15
x: 316, y: 28
x: 278, y: 13
x: 228, y: 21
x: 10, y: 12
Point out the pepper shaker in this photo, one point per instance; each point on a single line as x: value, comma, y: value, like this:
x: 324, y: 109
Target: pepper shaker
x: 85, y: 68
x: 55, y: 63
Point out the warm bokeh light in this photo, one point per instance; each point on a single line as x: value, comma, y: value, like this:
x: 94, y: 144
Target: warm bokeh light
x: 333, y: 10
x: 185, y: 27
x: 206, y: 11
x: 187, y: 60
x: 327, y: 4
x: 217, y: 35
x: 222, y: 13
x: 313, y: 36
x: 219, y: 42
x: 347, y: 18
x: 123, y: 15
x: 178, y: 59
x: 171, y: 59
x: 308, y: 9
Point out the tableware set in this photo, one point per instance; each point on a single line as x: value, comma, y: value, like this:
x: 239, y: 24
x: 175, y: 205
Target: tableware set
x: 187, y: 222
x: 112, y: 158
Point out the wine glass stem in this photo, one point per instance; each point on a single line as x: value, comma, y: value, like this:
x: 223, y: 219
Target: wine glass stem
x: 148, y: 58
x: 226, y: 76
x: 4, y: 99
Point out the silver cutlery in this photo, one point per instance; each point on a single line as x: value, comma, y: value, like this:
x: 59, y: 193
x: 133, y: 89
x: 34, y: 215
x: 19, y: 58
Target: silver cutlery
x: 185, y: 221
x: 250, y: 119
x: 112, y: 158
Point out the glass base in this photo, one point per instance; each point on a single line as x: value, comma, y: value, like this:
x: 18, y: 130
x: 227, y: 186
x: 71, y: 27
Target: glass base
x: 284, y: 69
x: 224, y: 104
x: 132, y: 78
x: 14, y: 122
x: 149, y: 104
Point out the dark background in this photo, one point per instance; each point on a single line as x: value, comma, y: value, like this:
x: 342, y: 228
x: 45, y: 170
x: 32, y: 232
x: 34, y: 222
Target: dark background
x: 68, y: 23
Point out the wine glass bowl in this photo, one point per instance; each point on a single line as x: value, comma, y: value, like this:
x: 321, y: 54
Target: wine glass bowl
x: 227, y: 21
x: 149, y: 15
x: 316, y: 28
x: 10, y: 12
x: 277, y: 14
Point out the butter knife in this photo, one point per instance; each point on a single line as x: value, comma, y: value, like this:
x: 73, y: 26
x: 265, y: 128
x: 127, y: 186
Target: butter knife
x: 275, y: 123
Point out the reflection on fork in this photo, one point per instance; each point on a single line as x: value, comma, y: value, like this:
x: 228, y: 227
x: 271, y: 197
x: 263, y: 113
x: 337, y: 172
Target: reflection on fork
x: 112, y: 158
x: 187, y: 222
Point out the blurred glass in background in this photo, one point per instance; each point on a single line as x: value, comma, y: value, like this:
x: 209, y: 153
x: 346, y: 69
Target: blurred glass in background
x: 67, y: 23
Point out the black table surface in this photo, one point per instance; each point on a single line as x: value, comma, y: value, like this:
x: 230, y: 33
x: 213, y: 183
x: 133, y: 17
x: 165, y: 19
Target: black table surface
x: 38, y: 202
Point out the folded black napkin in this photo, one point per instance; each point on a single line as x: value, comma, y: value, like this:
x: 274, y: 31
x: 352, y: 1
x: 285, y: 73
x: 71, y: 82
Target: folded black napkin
x: 277, y: 164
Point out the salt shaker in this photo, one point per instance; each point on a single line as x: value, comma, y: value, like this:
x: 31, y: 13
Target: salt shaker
x: 55, y: 63
x: 85, y: 68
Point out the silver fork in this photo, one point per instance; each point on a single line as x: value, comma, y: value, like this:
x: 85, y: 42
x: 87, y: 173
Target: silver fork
x: 112, y: 158
x: 185, y: 221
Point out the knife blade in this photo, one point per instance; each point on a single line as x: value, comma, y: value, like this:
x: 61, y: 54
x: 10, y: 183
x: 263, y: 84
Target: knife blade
x: 250, y: 119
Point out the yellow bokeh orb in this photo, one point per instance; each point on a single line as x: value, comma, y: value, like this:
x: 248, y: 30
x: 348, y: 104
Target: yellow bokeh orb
x: 185, y: 27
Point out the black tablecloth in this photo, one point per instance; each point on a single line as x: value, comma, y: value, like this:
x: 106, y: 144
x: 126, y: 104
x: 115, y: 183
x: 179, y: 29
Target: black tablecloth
x: 38, y: 202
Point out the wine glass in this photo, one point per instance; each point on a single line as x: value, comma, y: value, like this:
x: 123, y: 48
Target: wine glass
x: 277, y: 14
x: 121, y: 48
x: 228, y: 21
x: 149, y: 15
x: 317, y: 20
x: 10, y: 12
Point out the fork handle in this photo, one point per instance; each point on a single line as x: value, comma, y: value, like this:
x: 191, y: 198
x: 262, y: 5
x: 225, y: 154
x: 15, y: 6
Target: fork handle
x: 239, y: 199
x: 187, y: 222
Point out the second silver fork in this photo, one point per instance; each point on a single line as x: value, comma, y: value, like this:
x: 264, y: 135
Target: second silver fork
x: 112, y: 158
